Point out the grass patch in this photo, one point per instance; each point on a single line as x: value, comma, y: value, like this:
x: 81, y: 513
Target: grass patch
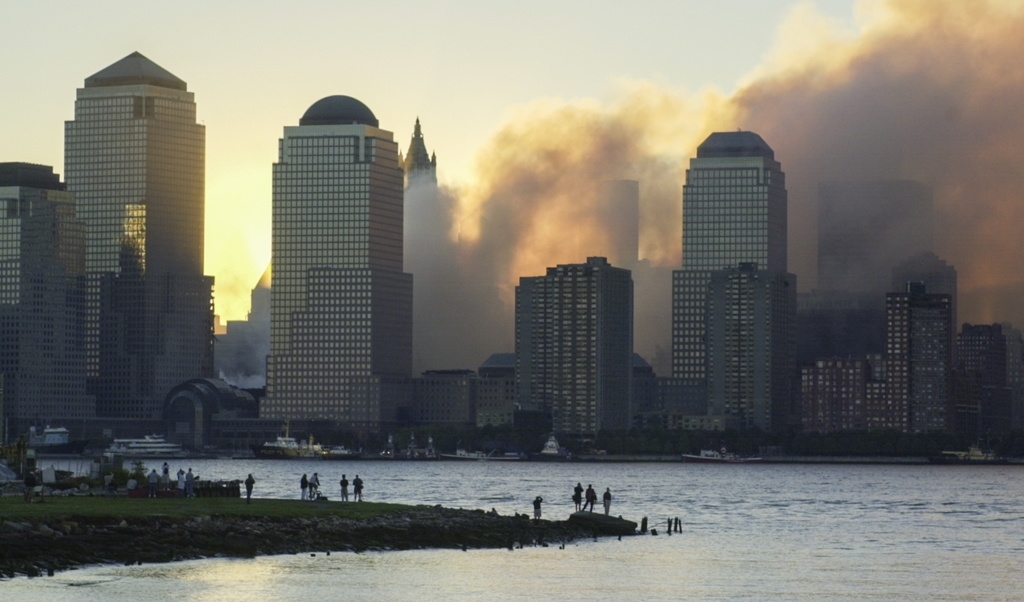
x: 61, y: 508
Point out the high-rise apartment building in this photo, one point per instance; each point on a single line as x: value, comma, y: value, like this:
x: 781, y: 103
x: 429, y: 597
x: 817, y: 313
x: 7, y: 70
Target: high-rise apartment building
x: 919, y: 359
x: 984, y: 401
x: 751, y: 315
x: 134, y: 158
x: 734, y: 212
x: 42, y: 302
x: 341, y: 308
x: 574, y: 346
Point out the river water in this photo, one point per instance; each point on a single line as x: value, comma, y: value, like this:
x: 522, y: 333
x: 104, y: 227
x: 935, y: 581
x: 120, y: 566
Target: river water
x: 750, y: 532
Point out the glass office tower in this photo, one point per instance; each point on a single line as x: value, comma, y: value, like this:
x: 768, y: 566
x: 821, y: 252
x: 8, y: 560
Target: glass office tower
x: 135, y: 160
x: 341, y: 306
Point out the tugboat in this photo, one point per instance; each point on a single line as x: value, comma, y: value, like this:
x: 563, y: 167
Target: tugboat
x: 552, y: 452
x: 287, y: 448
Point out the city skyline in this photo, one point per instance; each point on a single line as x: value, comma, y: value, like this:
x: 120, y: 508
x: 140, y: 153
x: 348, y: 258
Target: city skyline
x: 816, y: 80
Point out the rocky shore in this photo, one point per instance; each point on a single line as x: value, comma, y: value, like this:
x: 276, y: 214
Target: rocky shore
x: 44, y: 548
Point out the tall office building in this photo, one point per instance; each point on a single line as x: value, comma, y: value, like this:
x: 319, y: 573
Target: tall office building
x: 42, y: 302
x: 750, y: 347
x: 867, y: 227
x: 918, y: 360
x: 734, y: 212
x: 135, y: 159
x: 574, y: 346
x: 341, y: 308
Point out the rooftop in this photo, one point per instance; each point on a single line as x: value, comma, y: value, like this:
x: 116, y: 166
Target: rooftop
x: 735, y: 144
x: 338, y: 110
x: 135, y: 69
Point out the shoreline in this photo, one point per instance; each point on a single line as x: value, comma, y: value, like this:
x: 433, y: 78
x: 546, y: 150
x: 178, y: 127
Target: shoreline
x: 45, y: 545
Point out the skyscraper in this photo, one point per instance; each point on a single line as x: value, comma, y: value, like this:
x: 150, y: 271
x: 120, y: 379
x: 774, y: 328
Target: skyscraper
x: 341, y: 307
x: 734, y: 212
x: 574, y: 346
x: 919, y: 359
x: 42, y: 301
x: 750, y: 347
x: 135, y: 160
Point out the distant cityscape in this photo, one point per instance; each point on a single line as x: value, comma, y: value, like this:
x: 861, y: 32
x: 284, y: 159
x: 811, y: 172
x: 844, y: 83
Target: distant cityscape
x: 107, y: 322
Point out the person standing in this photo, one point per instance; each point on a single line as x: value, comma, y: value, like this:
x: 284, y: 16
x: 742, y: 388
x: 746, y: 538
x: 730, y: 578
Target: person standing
x: 154, y: 479
x: 166, y: 481
x: 536, y: 507
x: 344, y: 488
x: 190, y: 483
x: 607, y: 499
x: 304, y: 485
x: 591, y: 498
x: 249, y: 484
x: 577, y: 497
x: 314, y: 486
x: 181, y: 483
x: 357, y: 489
x: 30, y: 485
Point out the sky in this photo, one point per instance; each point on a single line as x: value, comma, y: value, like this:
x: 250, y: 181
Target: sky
x: 525, y: 103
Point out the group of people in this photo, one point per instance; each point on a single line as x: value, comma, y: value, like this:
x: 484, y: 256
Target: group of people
x: 585, y: 500
x: 310, y: 487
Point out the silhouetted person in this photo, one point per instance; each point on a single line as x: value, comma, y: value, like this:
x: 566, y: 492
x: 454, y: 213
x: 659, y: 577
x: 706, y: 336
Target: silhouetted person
x: 154, y: 480
x: 249, y: 483
x: 357, y: 488
x: 607, y: 499
x: 30, y: 485
x: 304, y: 485
x: 344, y: 488
x: 577, y: 497
x: 591, y: 498
x: 536, y: 507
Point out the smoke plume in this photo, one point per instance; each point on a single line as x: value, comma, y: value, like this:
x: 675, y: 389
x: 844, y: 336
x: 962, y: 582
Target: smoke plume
x: 925, y: 90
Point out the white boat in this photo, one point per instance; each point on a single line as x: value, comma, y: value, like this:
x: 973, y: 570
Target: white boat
x: 150, y: 446
x: 461, y: 454
x: 552, y: 452
x: 710, y: 456
x: 287, y: 448
x: 54, y: 441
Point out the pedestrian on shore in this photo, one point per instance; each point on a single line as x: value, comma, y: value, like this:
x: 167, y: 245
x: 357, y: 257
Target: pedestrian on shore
x: 181, y: 483
x: 154, y: 480
x: 344, y: 488
x: 190, y: 483
x: 577, y: 497
x: 357, y: 489
x: 166, y: 480
x: 30, y: 485
x: 607, y: 500
x: 591, y: 498
x: 249, y: 484
x: 304, y: 485
x: 536, y: 507
x: 314, y: 486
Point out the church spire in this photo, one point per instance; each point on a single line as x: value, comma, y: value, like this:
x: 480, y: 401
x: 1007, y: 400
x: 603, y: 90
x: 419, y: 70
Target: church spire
x: 418, y: 163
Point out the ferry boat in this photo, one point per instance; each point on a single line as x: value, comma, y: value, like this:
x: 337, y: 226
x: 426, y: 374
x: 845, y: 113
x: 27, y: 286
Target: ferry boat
x: 710, y: 456
x: 54, y: 441
x: 150, y: 446
x: 287, y: 448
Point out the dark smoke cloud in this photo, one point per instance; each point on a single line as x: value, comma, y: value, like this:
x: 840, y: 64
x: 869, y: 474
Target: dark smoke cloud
x: 928, y: 91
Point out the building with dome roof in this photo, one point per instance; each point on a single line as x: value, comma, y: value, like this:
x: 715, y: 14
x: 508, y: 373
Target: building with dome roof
x: 341, y: 308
